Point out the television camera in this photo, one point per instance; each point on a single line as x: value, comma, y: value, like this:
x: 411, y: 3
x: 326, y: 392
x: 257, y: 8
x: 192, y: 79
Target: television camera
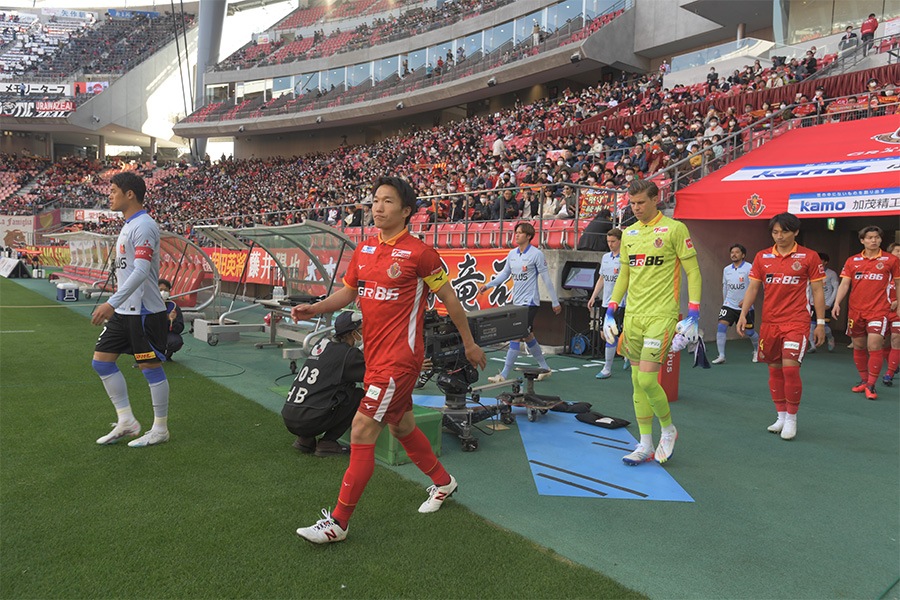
x: 454, y: 374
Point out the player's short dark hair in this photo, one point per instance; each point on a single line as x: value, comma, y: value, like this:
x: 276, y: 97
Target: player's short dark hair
x: 165, y: 282
x: 404, y: 190
x: 786, y: 220
x: 739, y: 247
x: 643, y: 186
x: 892, y: 245
x: 868, y: 228
x: 823, y: 256
x: 129, y: 182
x: 527, y: 228
x: 615, y: 232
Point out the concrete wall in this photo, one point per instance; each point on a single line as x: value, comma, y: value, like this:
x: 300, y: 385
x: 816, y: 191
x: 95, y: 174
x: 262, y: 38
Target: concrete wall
x: 148, y: 98
x: 664, y: 22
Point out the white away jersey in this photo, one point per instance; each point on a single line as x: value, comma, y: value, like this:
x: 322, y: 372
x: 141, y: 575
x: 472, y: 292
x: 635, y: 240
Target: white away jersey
x: 734, y: 284
x: 524, y: 268
x: 137, y: 268
x: 609, y: 271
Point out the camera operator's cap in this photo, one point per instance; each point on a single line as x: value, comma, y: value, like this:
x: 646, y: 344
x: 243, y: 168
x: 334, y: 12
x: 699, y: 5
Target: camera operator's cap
x: 346, y: 322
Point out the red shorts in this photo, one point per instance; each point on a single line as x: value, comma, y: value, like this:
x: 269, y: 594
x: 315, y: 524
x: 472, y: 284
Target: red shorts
x: 895, y: 325
x: 859, y: 325
x: 388, y: 395
x: 782, y: 341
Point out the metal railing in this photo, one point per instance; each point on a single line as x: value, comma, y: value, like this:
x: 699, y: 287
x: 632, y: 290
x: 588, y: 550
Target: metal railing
x: 849, y: 57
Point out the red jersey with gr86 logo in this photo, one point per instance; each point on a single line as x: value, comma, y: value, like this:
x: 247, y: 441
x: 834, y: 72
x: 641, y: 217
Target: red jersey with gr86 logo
x: 784, y: 280
x: 393, y: 279
x: 870, y: 280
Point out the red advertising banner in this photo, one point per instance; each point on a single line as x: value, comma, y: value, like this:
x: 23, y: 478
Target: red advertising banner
x: 468, y: 269
x: 53, y: 256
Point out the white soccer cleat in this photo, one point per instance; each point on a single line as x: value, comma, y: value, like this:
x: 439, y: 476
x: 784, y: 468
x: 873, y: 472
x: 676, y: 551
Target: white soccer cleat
x: 790, y: 429
x: 719, y: 361
x: 543, y: 376
x: 437, y: 494
x: 496, y: 378
x: 755, y: 355
x: 666, y: 446
x: 120, y: 431
x: 325, y: 531
x: 640, y: 455
x: 777, y: 426
x: 151, y: 438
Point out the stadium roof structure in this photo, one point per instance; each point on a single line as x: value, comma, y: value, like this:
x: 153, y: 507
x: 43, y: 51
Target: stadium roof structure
x: 842, y: 169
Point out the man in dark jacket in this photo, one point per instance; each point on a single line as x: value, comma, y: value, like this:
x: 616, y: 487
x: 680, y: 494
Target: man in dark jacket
x: 324, y: 396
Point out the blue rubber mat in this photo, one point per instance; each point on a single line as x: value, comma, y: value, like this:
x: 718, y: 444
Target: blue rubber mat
x: 570, y: 458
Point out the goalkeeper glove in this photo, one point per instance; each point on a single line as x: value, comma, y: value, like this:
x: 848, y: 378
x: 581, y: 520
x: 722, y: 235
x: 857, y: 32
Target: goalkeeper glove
x: 689, y: 328
x: 610, y: 329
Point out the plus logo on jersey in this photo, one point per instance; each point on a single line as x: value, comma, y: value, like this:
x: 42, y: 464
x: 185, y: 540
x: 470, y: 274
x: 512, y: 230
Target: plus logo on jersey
x: 642, y: 260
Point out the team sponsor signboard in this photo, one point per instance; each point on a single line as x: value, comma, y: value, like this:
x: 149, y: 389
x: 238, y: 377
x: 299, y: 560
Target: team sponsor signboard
x: 40, y: 109
x: 36, y: 89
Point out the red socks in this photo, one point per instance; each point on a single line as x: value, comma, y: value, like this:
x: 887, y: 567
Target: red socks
x: 419, y: 450
x: 861, y: 360
x: 776, y: 387
x: 876, y: 361
x: 362, y: 464
x: 793, y: 388
x: 894, y: 360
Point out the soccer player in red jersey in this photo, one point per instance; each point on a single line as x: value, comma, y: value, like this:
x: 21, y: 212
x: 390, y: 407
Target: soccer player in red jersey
x: 867, y: 276
x: 783, y: 271
x: 390, y: 276
x: 893, y: 349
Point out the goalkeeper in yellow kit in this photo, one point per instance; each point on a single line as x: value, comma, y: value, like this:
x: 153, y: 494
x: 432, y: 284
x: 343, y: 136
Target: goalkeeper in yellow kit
x: 653, y: 252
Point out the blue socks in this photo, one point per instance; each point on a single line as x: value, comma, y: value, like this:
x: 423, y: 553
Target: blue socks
x: 116, y: 388
x: 536, y: 352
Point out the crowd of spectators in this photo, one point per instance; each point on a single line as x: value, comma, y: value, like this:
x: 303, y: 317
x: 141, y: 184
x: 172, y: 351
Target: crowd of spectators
x: 460, y: 170
x: 15, y: 172
x: 64, y: 48
x: 382, y: 30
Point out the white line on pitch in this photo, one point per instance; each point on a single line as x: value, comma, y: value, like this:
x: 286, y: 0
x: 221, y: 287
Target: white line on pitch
x: 22, y: 331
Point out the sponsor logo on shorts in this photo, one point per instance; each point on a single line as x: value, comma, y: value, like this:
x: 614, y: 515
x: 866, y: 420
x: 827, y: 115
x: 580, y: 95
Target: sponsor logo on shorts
x: 373, y: 392
x: 650, y: 343
x: 145, y: 356
x: 368, y: 250
x: 874, y: 323
x: 792, y: 345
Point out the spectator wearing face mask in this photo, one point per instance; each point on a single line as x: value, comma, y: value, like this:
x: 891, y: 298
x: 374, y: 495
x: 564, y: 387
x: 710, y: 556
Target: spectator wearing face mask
x: 639, y: 158
x: 712, y: 79
x: 569, y: 204
x: 628, y: 136
x: 549, y: 204
x: 867, y: 33
x: 713, y: 129
x: 679, y: 152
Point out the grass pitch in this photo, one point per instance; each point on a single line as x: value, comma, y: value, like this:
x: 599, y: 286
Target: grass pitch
x: 212, y: 513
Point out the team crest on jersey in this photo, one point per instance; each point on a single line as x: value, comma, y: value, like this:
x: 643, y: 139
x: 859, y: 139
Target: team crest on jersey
x: 879, y: 265
x: 368, y: 250
x: 658, y: 243
x: 395, y: 271
x: 796, y: 266
x: 754, y: 206
x: 121, y: 248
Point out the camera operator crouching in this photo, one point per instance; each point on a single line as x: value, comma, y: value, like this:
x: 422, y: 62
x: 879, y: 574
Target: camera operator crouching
x: 324, y: 396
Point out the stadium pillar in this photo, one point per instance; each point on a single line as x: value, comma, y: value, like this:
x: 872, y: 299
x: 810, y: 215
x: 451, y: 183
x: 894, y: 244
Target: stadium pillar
x: 50, y: 152
x: 741, y: 31
x: 152, y: 147
x: 212, y: 18
x: 101, y: 148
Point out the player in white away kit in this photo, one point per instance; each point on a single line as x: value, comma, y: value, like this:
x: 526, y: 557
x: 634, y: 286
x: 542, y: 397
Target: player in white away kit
x: 830, y: 284
x: 609, y: 273
x: 134, y: 318
x: 524, y: 264
x: 734, y: 285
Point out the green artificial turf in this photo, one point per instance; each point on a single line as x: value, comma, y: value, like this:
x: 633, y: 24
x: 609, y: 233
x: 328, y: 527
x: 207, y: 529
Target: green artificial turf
x: 212, y: 513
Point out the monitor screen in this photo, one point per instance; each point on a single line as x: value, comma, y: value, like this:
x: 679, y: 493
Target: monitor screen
x: 581, y: 278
